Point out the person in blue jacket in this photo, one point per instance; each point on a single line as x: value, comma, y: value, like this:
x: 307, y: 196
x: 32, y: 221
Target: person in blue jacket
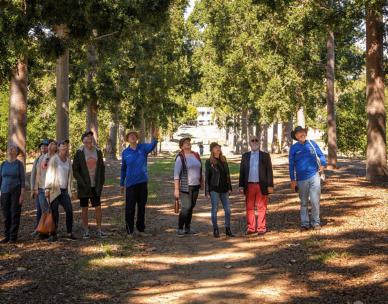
x: 306, y: 160
x: 134, y: 179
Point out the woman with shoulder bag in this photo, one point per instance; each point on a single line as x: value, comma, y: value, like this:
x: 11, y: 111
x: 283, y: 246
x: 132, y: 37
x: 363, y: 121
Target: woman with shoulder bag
x: 187, y: 182
x: 218, y: 185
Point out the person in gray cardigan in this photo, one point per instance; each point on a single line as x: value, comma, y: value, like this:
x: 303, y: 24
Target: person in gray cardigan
x: 187, y: 182
x: 89, y: 171
x: 12, y: 186
x: 43, y: 149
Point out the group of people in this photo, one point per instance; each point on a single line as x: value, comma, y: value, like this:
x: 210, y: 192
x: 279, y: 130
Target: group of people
x: 51, y: 185
x: 53, y: 171
x: 306, y: 162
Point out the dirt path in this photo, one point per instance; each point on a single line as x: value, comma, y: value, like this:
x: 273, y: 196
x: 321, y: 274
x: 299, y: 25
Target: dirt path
x: 345, y: 262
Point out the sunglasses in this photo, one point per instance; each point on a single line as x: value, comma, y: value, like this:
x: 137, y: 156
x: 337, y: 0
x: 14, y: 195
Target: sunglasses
x: 254, y: 140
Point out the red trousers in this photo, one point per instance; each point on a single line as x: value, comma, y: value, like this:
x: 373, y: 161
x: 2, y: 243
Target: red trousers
x: 255, y: 199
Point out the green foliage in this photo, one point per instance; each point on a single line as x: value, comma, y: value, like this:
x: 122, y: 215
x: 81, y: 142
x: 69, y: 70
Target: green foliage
x: 352, y: 120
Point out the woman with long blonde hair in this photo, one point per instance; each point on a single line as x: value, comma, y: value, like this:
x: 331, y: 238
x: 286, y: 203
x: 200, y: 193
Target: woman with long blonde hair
x: 218, y: 186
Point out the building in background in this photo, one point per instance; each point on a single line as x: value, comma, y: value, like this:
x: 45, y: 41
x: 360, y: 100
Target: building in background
x: 205, y: 116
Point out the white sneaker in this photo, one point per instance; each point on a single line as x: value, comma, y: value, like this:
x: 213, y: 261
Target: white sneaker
x: 86, y: 235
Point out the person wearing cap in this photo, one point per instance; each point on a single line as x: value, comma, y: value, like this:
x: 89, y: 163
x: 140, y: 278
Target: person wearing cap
x: 218, y: 186
x: 58, y: 183
x: 256, y: 182
x: 89, y: 171
x: 187, y: 182
x: 41, y: 170
x: 134, y: 179
x: 12, y: 186
x: 304, y: 169
x: 43, y: 146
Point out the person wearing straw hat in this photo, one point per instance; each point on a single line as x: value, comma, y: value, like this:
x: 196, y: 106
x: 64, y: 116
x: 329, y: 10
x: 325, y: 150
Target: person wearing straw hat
x: 134, y: 180
x: 306, y: 160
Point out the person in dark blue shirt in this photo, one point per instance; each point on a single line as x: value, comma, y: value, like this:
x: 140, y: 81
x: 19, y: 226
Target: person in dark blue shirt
x: 12, y: 186
x: 306, y: 160
x: 134, y: 179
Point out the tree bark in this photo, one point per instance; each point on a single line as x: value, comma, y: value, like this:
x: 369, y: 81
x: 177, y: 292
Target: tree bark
x: 142, y: 127
x: 244, y: 131
x: 17, y: 117
x: 62, y: 89
x: 331, y: 119
x: 111, y: 147
x: 275, y: 147
x: 122, y: 142
x: 92, y: 107
x: 286, y: 135
x: 264, y: 137
x: 376, y: 162
x: 300, y: 118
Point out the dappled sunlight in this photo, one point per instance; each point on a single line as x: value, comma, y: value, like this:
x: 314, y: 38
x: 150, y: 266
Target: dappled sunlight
x: 15, y: 284
x: 285, y: 265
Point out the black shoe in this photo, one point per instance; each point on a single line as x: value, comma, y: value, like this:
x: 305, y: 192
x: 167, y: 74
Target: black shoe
x: 216, y: 233
x: 4, y: 240
x: 71, y: 236
x: 304, y: 228
x: 52, y: 238
x: 228, y: 232
x: 190, y: 231
x: 13, y: 241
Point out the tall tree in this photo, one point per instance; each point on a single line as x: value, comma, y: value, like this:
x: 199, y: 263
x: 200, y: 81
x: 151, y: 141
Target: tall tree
x: 18, y: 107
x: 376, y: 162
x: 331, y: 119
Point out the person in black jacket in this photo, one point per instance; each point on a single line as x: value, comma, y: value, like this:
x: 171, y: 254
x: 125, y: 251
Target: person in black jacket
x: 256, y: 182
x: 218, y: 185
x: 89, y: 171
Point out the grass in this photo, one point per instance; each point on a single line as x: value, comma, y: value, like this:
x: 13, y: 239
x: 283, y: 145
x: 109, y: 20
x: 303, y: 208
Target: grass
x: 324, y: 257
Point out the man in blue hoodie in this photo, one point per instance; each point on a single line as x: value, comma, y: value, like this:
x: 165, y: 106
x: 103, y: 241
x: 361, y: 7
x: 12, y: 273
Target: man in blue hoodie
x: 306, y: 160
x: 134, y: 179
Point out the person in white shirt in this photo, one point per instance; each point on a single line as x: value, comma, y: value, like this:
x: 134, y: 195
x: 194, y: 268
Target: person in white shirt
x: 58, y: 185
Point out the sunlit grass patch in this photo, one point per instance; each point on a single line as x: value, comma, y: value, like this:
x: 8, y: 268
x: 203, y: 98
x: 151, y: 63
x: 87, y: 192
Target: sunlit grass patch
x: 328, y: 256
x: 311, y: 243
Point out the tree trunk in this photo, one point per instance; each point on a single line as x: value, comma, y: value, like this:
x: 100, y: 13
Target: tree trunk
x: 258, y: 131
x: 275, y: 147
x: 286, y: 135
x: 244, y: 131
x: 122, y: 139
x: 331, y: 119
x: 376, y: 162
x: 300, y: 117
x: 264, y: 137
x: 92, y: 107
x: 111, y: 145
x: 142, y: 127
x: 62, y: 89
x: 17, y: 117
x: 236, y: 135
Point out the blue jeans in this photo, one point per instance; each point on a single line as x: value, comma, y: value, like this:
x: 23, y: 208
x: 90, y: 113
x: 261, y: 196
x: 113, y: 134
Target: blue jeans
x: 38, y: 210
x: 310, y: 189
x: 214, y: 197
x: 43, y: 204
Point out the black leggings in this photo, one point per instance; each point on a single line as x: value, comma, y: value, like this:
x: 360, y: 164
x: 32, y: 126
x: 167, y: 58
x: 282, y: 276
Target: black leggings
x: 188, y: 201
x: 11, y: 212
